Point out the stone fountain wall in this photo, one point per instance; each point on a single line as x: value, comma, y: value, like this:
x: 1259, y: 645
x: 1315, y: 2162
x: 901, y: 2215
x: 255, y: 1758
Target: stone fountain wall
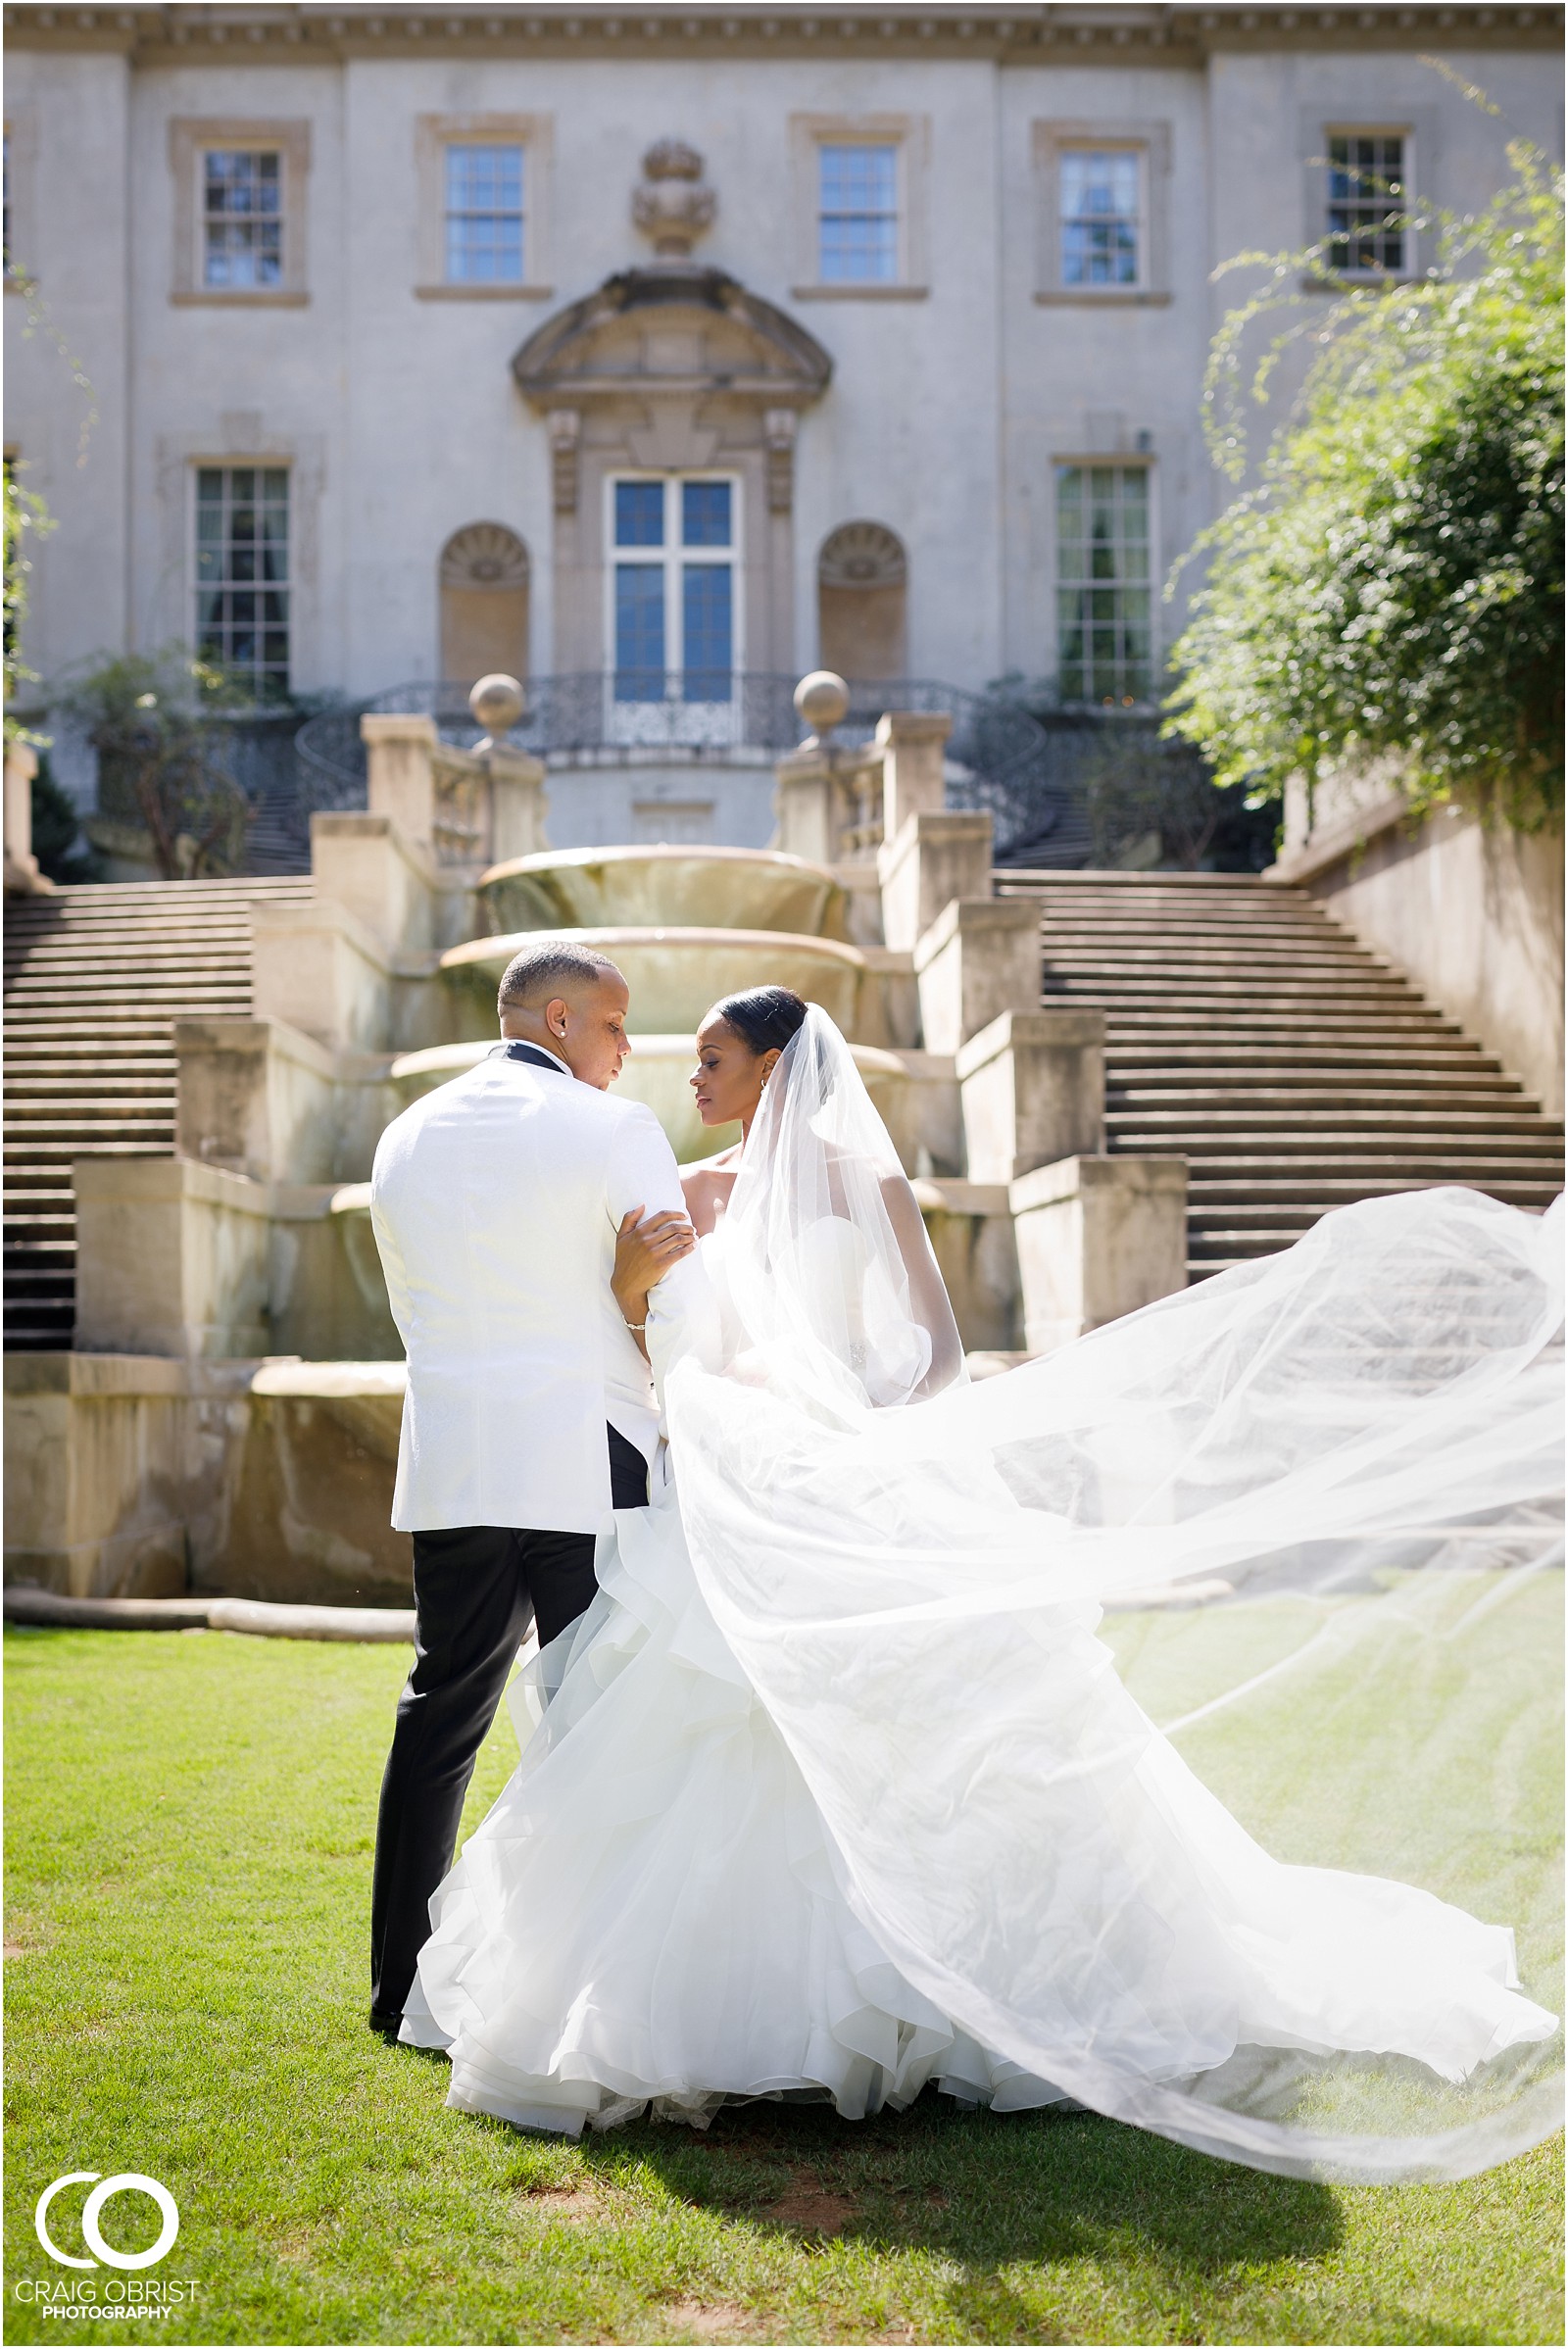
x: 228, y: 1418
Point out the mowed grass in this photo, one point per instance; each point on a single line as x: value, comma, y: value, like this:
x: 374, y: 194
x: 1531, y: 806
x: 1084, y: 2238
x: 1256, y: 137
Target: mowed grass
x: 191, y: 1821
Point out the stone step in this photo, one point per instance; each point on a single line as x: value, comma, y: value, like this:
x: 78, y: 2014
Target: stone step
x: 167, y: 996
x: 45, y: 1055
x: 1115, y: 884
x: 1183, y: 989
x: 29, y: 1096
x: 76, y: 1033
x: 1346, y: 1105
x: 1160, y: 951
x: 1245, y: 1204
x: 137, y: 1138
x: 200, y: 935
x: 1383, y: 1076
x: 86, y: 896
x: 1337, y: 1122
x: 1286, y: 1055
x: 28, y: 1283
x: 1392, y: 1153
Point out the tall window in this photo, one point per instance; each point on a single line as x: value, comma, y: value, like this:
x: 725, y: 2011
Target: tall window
x: 1366, y: 196
x: 242, y: 573
x: 242, y: 219
x: 675, y: 548
x: 858, y: 215
x: 1104, y: 647
x: 484, y: 215
x: 1099, y: 217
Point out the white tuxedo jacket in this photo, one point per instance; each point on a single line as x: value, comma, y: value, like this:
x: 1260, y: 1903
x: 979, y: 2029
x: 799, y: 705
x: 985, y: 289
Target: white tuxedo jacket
x: 496, y: 1202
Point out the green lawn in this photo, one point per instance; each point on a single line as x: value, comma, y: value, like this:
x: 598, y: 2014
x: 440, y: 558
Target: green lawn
x: 191, y: 1821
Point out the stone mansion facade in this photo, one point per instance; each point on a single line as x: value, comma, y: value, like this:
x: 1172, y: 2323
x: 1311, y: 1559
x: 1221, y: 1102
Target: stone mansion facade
x: 662, y: 345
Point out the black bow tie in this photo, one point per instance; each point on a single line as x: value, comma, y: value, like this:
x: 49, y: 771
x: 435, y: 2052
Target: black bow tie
x: 515, y: 1049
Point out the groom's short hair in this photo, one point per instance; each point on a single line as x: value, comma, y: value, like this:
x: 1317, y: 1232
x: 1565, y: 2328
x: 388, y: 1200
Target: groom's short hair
x: 540, y: 971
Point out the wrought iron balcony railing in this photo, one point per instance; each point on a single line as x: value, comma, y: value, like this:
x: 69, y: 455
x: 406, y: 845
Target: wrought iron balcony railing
x: 1000, y: 755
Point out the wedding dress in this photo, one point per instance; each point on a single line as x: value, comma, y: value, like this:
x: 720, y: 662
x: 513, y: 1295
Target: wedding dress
x: 839, y: 1789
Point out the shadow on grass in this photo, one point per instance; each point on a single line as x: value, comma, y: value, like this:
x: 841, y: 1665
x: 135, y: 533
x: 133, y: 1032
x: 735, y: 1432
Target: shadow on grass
x: 985, y: 2189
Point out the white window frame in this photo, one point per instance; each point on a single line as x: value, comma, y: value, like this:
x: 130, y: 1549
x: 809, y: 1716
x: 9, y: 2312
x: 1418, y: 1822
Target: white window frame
x: 909, y: 136
x: 1125, y: 460
x: 1340, y: 126
x: 1150, y: 143
x: 1140, y: 154
x: 191, y: 140
x: 672, y: 558
x: 433, y: 135
x: 228, y: 464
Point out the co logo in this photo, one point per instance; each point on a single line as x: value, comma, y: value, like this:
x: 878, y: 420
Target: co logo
x: 126, y: 2181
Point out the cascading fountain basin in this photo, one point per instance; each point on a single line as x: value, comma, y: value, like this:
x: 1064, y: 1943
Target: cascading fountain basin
x: 747, y: 889
x: 658, y: 1073
x: 676, y: 975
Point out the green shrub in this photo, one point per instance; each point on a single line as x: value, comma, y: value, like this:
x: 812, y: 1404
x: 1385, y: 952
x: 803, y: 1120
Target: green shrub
x: 1392, y: 588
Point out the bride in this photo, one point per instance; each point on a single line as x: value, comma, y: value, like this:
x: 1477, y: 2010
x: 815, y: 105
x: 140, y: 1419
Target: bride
x: 839, y: 1789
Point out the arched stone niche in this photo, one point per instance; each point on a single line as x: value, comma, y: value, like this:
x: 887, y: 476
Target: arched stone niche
x: 863, y: 583
x: 671, y: 368
x: 484, y: 603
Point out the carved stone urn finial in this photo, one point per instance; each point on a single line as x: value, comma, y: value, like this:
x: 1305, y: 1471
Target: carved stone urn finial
x: 673, y: 206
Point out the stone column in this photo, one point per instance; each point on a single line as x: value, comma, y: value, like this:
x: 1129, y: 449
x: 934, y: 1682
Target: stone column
x: 518, y: 804
x: 364, y: 863
x: 171, y: 1258
x: 980, y: 958
x: 933, y: 858
x: 803, y: 803
x: 22, y: 875
x: 912, y: 782
x: 400, y: 753
x: 1033, y: 1092
x: 1098, y: 1237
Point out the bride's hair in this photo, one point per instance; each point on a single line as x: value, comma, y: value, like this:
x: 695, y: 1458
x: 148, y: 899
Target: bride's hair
x: 763, y: 1018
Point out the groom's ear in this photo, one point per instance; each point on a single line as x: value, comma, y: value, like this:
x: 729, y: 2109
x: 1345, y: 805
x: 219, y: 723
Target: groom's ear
x: 557, y: 1013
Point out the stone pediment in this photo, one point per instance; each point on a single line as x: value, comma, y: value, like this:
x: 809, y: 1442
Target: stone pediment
x: 668, y: 331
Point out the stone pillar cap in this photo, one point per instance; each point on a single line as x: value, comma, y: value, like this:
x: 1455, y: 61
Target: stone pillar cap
x: 914, y: 725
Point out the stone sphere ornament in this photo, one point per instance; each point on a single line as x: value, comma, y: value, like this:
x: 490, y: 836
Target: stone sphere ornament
x: 496, y: 704
x: 821, y: 701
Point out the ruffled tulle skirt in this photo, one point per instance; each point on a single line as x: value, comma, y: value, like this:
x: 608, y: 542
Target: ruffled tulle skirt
x: 838, y: 1790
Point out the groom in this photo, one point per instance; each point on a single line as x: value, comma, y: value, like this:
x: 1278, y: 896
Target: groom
x: 529, y: 1414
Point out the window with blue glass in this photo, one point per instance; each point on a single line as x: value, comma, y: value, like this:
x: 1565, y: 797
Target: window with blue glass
x: 705, y: 513
x: 858, y: 215
x: 484, y: 215
x: 639, y: 514
x: 674, y: 607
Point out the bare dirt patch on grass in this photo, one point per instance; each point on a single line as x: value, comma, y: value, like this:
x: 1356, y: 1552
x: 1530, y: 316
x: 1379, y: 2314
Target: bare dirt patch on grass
x: 711, y: 2320
x: 809, y: 2208
x: 572, y: 2199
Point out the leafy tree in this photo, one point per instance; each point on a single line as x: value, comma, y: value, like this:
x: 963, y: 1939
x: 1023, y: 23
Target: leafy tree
x: 26, y: 519
x: 158, y: 723
x: 1158, y: 797
x: 1392, y: 588
x: 56, y: 828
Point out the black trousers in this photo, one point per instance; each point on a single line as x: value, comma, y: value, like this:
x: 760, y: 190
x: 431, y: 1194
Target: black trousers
x: 475, y: 1589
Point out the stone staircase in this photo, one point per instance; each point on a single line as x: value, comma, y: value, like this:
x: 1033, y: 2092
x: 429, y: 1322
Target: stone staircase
x: 94, y: 979
x: 1295, y: 1069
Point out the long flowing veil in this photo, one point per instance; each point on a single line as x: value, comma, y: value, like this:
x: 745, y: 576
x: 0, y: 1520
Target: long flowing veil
x: 1184, y: 1706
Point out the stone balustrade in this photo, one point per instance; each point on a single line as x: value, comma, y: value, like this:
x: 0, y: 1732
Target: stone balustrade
x: 196, y: 1273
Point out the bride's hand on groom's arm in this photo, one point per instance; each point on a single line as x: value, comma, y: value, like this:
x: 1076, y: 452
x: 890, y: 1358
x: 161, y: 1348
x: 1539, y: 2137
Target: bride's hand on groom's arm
x: 645, y: 1250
